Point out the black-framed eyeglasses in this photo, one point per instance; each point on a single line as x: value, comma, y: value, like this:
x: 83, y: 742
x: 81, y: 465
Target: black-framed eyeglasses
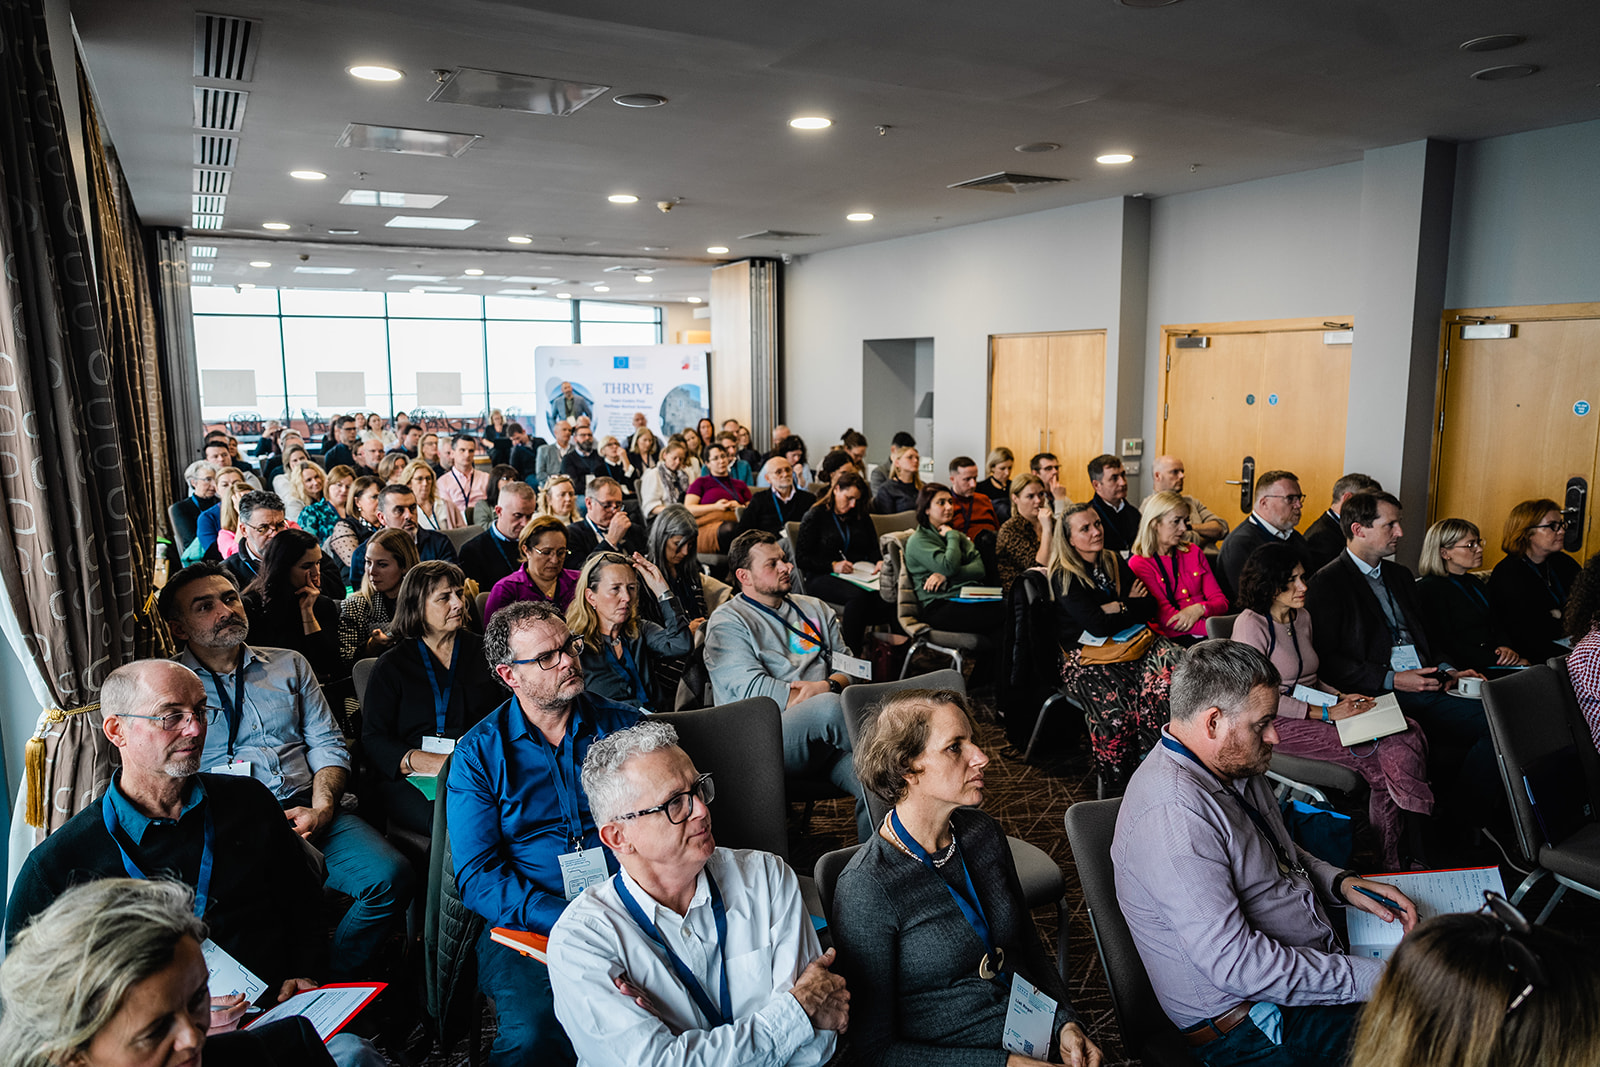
x: 604, y: 505
x: 1557, y: 526
x: 678, y: 806
x: 1515, y: 946
x: 177, y: 720
x: 572, y: 648
x: 1293, y: 498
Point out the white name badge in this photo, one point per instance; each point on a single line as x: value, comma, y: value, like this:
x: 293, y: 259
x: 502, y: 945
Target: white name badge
x: 1404, y: 658
x: 239, y: 768
x: 229, y: 977
x: 1087, y: 638
x: 1030, y: 1018
x: 442, y: 745
x: 582, y: 869
x: 855, y: 668
x: 1314, y: 697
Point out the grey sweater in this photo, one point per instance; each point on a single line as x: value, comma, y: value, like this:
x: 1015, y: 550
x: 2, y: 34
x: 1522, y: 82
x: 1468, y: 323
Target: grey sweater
x: 751, y: 654
x: 910, y: 959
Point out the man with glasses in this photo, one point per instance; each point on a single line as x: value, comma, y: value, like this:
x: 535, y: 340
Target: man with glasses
x: 1274, y: 518
x: 605, y: 526
x: 783, y: 502
x: 397, y: 510
x: 1048, y: 468
x: 549, y: 457
x: 1324, y: 538
x: 692, y: 954
x: 524, y: 841
x: 347, y: 434
x: 261, y: 518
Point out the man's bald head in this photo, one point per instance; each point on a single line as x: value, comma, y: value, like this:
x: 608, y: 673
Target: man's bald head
x: 1167, y: 474
x: 133, y: 688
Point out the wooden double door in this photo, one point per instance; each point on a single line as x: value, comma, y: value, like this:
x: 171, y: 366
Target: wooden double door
x: 1260, y: 396
x: 1047, y: 394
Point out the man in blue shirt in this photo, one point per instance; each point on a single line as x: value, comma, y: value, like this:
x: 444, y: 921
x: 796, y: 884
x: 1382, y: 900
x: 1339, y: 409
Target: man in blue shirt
x: 520, y: 829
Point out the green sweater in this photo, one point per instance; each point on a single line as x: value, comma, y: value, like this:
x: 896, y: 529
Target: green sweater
x: 952, y: 555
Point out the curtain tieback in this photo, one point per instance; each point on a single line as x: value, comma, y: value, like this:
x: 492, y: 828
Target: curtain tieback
x: 33, y: 760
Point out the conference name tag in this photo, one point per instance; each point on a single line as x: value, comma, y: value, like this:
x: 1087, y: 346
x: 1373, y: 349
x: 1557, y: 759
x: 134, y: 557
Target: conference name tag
x: 856, y: 668
x: 1314, y: 697
x: 441, y: 745
x: 1404, y: 658
x: 582, y: 869
x: 239, y: 768
x: 1087, y: 638
x: 1030, y: 1017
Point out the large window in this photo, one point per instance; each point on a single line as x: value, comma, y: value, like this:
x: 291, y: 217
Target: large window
x: 299, y: 353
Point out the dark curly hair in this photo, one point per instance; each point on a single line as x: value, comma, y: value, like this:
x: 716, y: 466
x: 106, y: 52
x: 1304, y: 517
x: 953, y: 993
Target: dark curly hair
x: 1583, y: 605
x: 1267, y: 572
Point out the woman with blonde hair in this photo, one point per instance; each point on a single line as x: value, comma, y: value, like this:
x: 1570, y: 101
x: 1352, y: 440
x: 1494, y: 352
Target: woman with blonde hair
x: 359, y: 523
x: 1024, y: 540
x: 390, y: 465
x: 1528, y: 589
x: 306, y: 485
x: 997, y: 485
x: 228, y: 514
x: 1175, y: 570
x: 899, y: 492
x: 645, y: 448
x: 620, y: 649
x: 284, y: 480
x: 560, y: 498
x: 434, y: 512
x: 1454, y: 601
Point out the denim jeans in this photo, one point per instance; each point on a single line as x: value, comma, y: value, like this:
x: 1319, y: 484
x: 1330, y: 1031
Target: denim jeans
x: 1312, y: 1036
x: 525, y: 1008
x: 366, y: 868
x: 815, y: 742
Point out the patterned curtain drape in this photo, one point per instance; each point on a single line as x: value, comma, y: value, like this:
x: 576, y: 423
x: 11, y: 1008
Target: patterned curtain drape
x: 77, y: 406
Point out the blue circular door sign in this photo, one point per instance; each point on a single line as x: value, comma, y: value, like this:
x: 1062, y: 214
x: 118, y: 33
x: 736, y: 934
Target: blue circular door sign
x: 1273, y: 399
x: 1249, y: 398
x: 1581, y: 408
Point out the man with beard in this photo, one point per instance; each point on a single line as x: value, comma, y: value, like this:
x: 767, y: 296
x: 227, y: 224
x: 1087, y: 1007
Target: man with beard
x: 1227, y: 910
x: 261, y: 518
x: 397, y: 510
x: 277, y: 728
x: 524, y: 841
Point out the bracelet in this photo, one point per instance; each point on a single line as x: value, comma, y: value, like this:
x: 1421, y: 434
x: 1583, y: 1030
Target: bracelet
x: 1325, y: 716
x: 405, y: 764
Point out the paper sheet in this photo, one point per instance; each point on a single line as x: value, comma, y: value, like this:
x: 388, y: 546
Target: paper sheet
x: 1433, y: 892
x: 227, y: 976
x: 328, y: 1008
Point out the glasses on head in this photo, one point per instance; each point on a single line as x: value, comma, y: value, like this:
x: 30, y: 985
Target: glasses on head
x: 177, y: 720
x: 1514, y: 946
x: 678, y: 806
x: 572, y: 648
x: 1557, y: 526
x: 1293, y: 498
x: 550, y: 553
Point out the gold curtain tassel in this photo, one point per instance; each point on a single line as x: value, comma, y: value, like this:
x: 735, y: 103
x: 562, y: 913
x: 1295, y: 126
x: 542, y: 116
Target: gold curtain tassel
x: 33, y: 762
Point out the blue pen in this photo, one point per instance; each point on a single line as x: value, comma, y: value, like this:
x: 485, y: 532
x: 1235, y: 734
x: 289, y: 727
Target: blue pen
x: 1385, y: 901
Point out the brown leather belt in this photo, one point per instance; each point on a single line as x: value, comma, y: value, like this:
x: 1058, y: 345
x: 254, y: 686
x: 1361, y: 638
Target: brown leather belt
x: 1220, y: 1025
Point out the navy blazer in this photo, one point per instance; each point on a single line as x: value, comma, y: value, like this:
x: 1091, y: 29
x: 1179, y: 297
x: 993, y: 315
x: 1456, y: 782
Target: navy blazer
x: 1349, y: 630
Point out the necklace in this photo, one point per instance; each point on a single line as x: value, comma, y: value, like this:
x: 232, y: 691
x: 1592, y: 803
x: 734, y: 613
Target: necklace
x: 945, y: 855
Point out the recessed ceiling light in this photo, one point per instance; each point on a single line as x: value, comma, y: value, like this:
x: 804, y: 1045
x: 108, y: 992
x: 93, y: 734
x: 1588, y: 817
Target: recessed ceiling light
x: 530, y: 279
x: 811, y: 122
x: 344, y: 233
x: 416, y: 277
x: 639, y: 100
x: 260, y: 263
x: 307, y: 175
x: 375, y: 74
x: 695, y: 300
x: 1505, y: 73
x: 417, y: 289
x: 473, y: 272
x: 429, y: 222
x: 717, y: 250
x: 275, y: 226
x: 324, y: 270
x: 1114, y: 157
x: 519, y: 240
x: 1037, y: 146
x: 623, y: 198
x: 378, y: 198
x: 563, y: 296
x: 602, y: 288
x: 643, y: 278
x: 1492, y: 43
x: 859, y: 216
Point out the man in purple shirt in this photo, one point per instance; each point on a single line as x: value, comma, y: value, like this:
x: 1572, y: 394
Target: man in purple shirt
x: 520, y: 830
x: 1227, y: 911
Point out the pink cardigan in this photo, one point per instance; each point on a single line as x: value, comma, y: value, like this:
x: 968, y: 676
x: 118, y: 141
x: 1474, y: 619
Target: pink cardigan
x: 1195, y: 584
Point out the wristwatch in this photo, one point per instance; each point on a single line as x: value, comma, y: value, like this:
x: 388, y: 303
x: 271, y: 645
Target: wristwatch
x: 834, y: 685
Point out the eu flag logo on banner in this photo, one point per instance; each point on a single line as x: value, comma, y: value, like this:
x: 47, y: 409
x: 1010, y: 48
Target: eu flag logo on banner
x: 619, y: 362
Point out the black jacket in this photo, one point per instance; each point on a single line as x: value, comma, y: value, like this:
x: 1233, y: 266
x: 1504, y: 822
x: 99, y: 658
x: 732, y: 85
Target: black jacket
x: 1244, y: 539
x: 1078, y: 608
x: 765, y: 513
x: 819, y: 544
x: 431, y: 544
x: 580, y: 468
x: 1528, y: 602
x: 1349, y: 629
x: 582, y: 540
x: 1122, y: 527
x: 243, y: 567
x: 1324, y: 542
x: 398, y: 708
x: 895, y: 497
x: 488, y: 558
x: 1455, y: 612
x: 185, y: 514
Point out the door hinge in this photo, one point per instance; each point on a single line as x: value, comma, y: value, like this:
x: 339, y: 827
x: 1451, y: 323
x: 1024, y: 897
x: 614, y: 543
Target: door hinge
x: 1441, y: 422
x: 1164, y: 409
x: 1169, y: 361
x: 1447, y: 358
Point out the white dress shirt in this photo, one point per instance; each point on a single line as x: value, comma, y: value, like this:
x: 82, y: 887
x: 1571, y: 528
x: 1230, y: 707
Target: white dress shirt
x: 770, y: 941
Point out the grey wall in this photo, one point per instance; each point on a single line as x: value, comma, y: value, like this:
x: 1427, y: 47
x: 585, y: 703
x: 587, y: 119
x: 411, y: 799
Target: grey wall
x: 889, y: 376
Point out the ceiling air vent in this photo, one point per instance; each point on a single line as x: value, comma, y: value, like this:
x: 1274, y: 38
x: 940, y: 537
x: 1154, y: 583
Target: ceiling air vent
x: 202, y: 251
x: 776, y: 235
x: 1006, y: 182
x: 514, y: 92
x: 213, y: 181
x: 225, y: 47
x: 210, y: 205
x: 207, y: 222
x: 219, y: 109
x: 210, y: 151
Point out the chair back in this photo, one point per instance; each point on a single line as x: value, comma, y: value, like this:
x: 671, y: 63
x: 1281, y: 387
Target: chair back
x: 1528, y: 720
x: 1221, y: 625
x: 898, y: 580
x: 895, y: 523
x: 180, y: 537
x: 829, y: 866
x: 360, y: 675
x: 446, y: 954
x: 1146, y: 1030
x: 481, y: 601
x: 462, y: 534
x: 741, y: 745
x: 859, y: 699
x: 1030, y: 669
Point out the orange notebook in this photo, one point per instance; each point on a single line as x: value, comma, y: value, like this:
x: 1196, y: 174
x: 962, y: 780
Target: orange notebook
x: 524, y: 941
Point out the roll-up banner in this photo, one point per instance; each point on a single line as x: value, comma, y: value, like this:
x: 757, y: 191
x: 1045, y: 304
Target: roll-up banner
x: 670, y: 384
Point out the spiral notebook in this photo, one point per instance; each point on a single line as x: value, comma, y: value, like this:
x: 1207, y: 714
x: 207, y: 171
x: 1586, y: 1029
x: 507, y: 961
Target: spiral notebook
x: 1384, y: 719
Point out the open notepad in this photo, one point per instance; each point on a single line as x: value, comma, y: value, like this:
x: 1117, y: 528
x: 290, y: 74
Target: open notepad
x: 861, y: 574
x: 328, y: 1007
x: 1384, y: 718
x: 1433, y: 892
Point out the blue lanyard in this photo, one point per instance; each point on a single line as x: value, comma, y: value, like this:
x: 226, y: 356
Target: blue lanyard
x: 1272, y: 643
x: 1552, y: 584
x: 233, y: 709
x: 725, y: 487
x: 564, y: 774
x: 844, y: 534
x: 441, y: 697
x: 686, y: 976
x: 202, y: 891
x: 629, y: 669
x: 777, y: 505
x: 971, y: 907
x: 1286, y: 863
x: 1472, y: 587
x: 820, y: 638
x: 500, y: 543
x: 466, y: 490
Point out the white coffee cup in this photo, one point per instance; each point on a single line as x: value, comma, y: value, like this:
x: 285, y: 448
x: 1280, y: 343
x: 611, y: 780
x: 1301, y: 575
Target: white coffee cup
x: 1469, y: 687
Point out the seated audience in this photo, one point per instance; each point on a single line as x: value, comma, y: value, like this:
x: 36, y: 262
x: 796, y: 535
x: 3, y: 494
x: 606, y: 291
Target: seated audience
x: 226, y: 529
x: 308, y: 499
x: 694, y: 452
x: 1175, y: 570
x: 1110, y: 499
x: 209, y: 523
x: 941, y: 561
x: 1483, y: 990
x: 899, y: 490
x: 1273, y: 517
x: 854, y: 442
x: 584, y: 461
x: 996, y: 484
x: 558, y: 498
x: 524, y: 841
x: 645, y: 448
x: 463, y: 484
x: 369, y: 453
x: 542, y: 548
x: 392, y: 467
x: 1229, y: 914
x: 286, y: 608
x: 551, y: 455
x: 202, y: 479
x: 781, y: 503
x: 837, y: 537
x: 260, y: 520
x: 359, y: 523
x: 929, y: 915
x: 347, y: 435
x: 1273, y: 620
x: 672, y: 550
x: 397, y: 510
x: 745, y: 980
x: 1453, y: 601
x: 1583, y: 627
x: 1324, y: 538
x: 771, y: 642
x: 666, y: 483
x: 616, y: 464
x: 496, y: 434
x: 885, y: 470
x: 408, y: 442
x: 605, y: 526
x: 319, y: 518
x: 434, y: 512
x: 365, y: 615
x: 714, y: 499
x: 524, y: 454
x: 1025, y: 538
x: 500, y: 476
x: 1048, y: 468
x: 430, y: 453
x: 1206, y: 528
x: 1528, y: 588
x: 1370, y: 639
x: 493, y: 554
x: 1122, y: 685
x: 425, y: 692
x: 793, y: 449
x: 738, y: 467
x: 747, y: 451
x: 971, y: 511
x: 836, y: 461
x: 284, y: 477
x: 621, y: 648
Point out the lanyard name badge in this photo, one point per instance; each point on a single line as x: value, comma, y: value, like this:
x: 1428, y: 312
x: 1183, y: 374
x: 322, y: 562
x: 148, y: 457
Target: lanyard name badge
x: 202, y: 889
x: 721, y: 1013
x: 580, y: 867
x: 844, y: 533
x: 233, y: 711
x: 441, y: 698
x: 629, y: 669
x: 994, y: 959
x: 814, y: 635
x: 1288, y: 863
x: 1402, y: 654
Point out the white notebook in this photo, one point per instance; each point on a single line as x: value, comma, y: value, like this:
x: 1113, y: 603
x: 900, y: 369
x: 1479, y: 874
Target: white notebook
x: 1433, y: 892
x: 1384, y: 719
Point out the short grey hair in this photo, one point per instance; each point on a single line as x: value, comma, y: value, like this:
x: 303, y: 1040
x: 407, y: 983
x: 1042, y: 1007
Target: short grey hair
x: 1218, y: 674
x: 508, y: 620
x: 608, y: 791
x: 258, y: 500
x: 197, y: 469
x: 70, y: 969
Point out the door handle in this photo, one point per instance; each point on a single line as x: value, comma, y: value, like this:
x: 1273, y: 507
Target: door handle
x: 1575, y: 511
x: 1247, y: 477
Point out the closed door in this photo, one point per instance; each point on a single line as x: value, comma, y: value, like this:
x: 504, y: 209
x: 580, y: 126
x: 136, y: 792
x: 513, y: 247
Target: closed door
x: 1273, y: 392
x: 1517, y: 420
x: 1047, y: 394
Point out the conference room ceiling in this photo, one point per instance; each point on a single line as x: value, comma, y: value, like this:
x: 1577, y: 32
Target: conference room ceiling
x: 922, y: 94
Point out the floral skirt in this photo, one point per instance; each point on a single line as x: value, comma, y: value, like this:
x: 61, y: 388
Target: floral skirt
x: 1125, y: 704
